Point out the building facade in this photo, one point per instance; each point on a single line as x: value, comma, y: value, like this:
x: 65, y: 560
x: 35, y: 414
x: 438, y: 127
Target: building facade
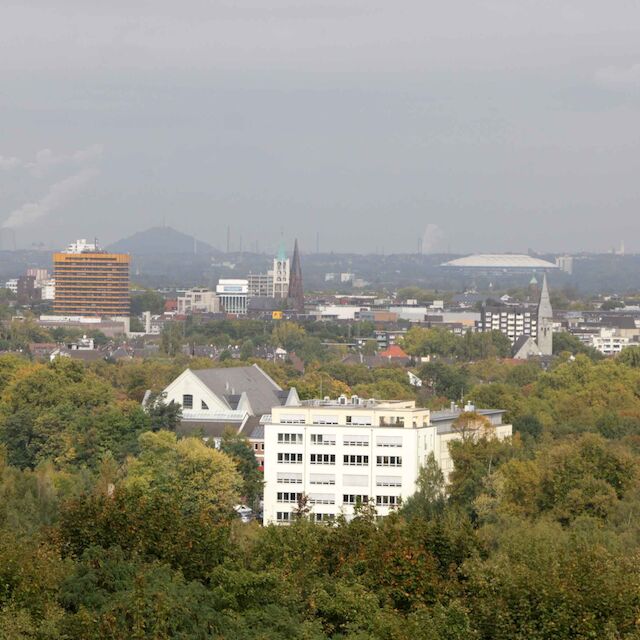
x: 198, y: 300
x: 90, y: 282
x: 340, y: 453
x: 512, y: 321
x: 233, y: 295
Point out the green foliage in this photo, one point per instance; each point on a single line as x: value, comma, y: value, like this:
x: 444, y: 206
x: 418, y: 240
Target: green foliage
x: 241, y: 452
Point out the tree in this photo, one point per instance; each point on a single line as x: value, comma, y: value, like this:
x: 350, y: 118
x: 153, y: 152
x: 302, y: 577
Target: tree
x: 204, y: 478
x: 164, y: 416
x: 429, y: 498
x: 241, y: 452
x: 247, y: 350
x: 288, y: 335
x: 630, y: 356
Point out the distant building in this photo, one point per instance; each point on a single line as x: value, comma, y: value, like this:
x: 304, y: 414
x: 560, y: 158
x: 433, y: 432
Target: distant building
x: 91, y: 282
x: 198, y: 300
x: 233, y: 294
x: 296, y: 288
x: 500, y: 263
x: 339, y: 453
x: 565, y: 263
x: 12, y: 285
x: 535, y: 322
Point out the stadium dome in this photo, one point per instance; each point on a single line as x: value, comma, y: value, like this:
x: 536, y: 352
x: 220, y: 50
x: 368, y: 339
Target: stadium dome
x: 499, y: 261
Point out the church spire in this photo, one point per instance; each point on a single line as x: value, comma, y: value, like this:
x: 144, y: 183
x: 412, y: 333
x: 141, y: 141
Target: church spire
x: 296, y: 290
x: 545, y: 321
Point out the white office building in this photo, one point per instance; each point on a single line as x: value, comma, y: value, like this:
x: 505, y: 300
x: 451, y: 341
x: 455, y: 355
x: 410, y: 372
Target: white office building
x: 198, y: 300
x: 341, y: 452
x: 233, y: 294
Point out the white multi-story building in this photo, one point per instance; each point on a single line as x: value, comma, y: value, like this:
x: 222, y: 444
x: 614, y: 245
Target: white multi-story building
x: 233, y: 294
x: 81, y: 246
x: 198, y: 300
x: 339, y: 453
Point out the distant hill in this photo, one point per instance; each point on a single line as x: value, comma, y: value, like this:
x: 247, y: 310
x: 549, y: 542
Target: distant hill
x: 161, y: 240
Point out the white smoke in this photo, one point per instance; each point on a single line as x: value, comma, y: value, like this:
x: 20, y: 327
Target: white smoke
x: 431, y: 238
x: 60, y: 192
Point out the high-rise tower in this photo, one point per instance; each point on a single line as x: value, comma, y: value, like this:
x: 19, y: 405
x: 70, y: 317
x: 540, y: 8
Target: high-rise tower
x: 545, y: 321
x: 296, y: 290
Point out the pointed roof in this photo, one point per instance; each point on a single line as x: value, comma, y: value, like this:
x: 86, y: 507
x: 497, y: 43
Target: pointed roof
x: 296, y: 291
x: 544, y: 306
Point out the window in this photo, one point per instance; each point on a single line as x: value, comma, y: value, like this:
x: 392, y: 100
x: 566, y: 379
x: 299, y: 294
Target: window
x: 349, y: 498
x: 322, y: 498
x: 352, y: 480
x: 355, y: 441
x: 323, y: 458
x: 323, y: 438
x: 294, y: 458
x: 203, y: 405
x: 187, y: 401
x: 389, y: 461
x: 292, y: 419
x: 283, y: 516
x: 285, y: 496
x: 355, y: 460
x: 322, y: 478
x: 388, y: 481
x: 289, y: 478
x: 389, y: 441
x: 323, y: 517
x: 290, y: 438
x: 388, y: 501
x: 326, y: 420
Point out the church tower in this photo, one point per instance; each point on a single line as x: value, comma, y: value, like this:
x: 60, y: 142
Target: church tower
x: 296, y: 291
x: 545, y: 321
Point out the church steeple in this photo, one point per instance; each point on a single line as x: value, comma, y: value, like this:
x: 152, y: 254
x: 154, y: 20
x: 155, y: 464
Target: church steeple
x: 296, y: 290
x: 545, y: 321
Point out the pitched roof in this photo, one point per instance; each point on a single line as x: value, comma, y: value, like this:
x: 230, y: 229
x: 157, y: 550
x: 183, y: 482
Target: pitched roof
x: 228, y: 383
x: 393, y: 351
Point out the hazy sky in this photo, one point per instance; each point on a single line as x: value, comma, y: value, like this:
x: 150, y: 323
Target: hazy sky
x: 488, y: 125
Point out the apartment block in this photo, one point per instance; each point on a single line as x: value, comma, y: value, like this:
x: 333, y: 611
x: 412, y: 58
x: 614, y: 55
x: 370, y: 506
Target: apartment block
x: 342, y: 452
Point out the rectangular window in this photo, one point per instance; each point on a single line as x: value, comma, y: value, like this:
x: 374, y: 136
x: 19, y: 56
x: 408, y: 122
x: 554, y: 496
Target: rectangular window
x: 389, y: 441
x: 290, y: 438
x: 322, y: 478
x: 323, y: 517
x: 187, y: 401
x: 286, y: 496
x: 323, y: 438
x: 323, y: 458
x: 389, y: 481
x: 350, y: 498
x: 325, y: 420
x: 389, y: 461
x: 283, y: 516
x: 388, y: 501
x: 353, y: 460
x: 355, y: 441
x: 361, y: 421
x: 322, y: 498
x: 293, y: 458
x: 292, y: 419
x: 351, y: 480
x: 289, y: 478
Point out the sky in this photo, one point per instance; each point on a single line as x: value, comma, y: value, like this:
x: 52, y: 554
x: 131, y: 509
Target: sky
x: 355, y: 125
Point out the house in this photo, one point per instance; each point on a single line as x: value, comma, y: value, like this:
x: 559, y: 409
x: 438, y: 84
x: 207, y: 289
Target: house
x: 236, y: 397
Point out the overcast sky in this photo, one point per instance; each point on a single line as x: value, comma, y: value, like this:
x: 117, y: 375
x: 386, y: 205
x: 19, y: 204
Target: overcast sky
x: 492, y: 125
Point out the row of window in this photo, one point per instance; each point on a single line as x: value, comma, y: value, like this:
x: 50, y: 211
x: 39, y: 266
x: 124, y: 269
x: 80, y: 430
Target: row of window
x: 347, y: 498
x: 286, y: 516
x: 330, y: 479
x: 350, y: 460
x: 347, y: 441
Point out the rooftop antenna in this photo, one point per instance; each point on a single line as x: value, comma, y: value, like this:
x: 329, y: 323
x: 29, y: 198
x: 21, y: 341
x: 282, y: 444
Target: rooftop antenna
x: 317, y: 242
x: 228, y: 237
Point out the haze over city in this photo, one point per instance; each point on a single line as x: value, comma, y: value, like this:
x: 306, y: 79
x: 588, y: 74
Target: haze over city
x: 465, y: 126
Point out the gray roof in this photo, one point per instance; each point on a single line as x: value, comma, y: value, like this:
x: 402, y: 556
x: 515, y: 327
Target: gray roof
x: 229, y: 383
